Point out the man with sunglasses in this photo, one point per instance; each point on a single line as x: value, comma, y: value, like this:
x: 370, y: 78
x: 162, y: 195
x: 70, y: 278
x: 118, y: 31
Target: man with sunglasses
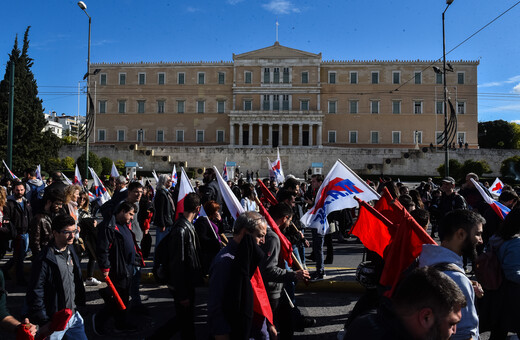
x: 56, y: 283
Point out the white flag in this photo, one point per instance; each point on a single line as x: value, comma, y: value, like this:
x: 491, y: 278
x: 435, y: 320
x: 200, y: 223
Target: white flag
x: 114, y: 172
x: 77, y: 176
x: 99, y: 189
x: 232, y: 203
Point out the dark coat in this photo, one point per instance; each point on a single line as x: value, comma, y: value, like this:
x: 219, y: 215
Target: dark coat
x: 209, y: 242
x: 164, y: 211
x: 45, y: 293
x: 18, y: 218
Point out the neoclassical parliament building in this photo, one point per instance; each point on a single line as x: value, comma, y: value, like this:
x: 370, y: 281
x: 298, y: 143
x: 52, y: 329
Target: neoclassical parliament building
x: 281, y: 97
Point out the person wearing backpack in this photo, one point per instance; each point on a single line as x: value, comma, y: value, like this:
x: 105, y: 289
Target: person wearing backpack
x: 507, y: 241
x: 34, y: 189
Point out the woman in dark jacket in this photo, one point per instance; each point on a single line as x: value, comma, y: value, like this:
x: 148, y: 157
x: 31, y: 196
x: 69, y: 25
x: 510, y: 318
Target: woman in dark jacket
x: 208, y: 230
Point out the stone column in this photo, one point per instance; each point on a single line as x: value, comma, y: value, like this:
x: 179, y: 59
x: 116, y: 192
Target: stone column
x: 240, y: 134
x: 310, y: 133
x: 290, y: 134
x: 318, y: 136
x: 250, y: 134
x: 231, y: 134
x: 300, y: 135
x: 260, y: 137
x: 280, y: 134
x: 271, y: 135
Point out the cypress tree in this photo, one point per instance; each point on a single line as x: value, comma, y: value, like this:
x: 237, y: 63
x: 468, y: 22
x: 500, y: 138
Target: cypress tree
x: 31, y: 146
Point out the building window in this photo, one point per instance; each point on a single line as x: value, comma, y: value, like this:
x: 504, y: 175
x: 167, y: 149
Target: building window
x: 122, y: 78
x: 352, y: 137
x: 332, y: 136
x: 417, y: 107
x: 140, y: 135
x: 181, y: 77
x: 374, y: 106
x: 332, y: 77
x: 267, y: 75
x: 103, y: 79
x: 285, y: 102
x: 179, y: 135
x: 180, y: 106
x: 286, y: 75
x: 460, y: 78
x: 248, y: 105
x: 220, y: 136
x: 396, y: 106
x: 374, y: 137
x: 276, y: 102
x: 305, y: 77
x: 438, y: 78
x: 201, y: 78
x: 276, y: 75
x: 396, y: 137
x: 417, y: 137
x: 140, y: 106
x: 353, y: 106
x: 160, y: 78
x: 160, y: 135
x: 375, y: 77
x: 120, y: 135
x: 102, y: 135
x: 332, y: 106
x: 160, y: 106
x: 439, y: 137
x: 221, y: 106
x: 418, y: 77
x: 396, y: 77
x: 121, y: 104
x: 141, y: 78
x: 200, y: 136
x: 200, y: 106
x: 304, y: 105
x: 266, y: 105
x: 248, y: 77
x: 461, y: 138
x: 353, y: 77
x: 221, y: 77
x: 102, y: 106
x: 439, y: 107
x: 461, y: 107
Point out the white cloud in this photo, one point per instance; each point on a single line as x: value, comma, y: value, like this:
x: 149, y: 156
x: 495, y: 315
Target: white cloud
x: 516, y: 89
x: 281, y: 7
x: 511, y: 80
x: 234, y: 2
x: 515, y: 121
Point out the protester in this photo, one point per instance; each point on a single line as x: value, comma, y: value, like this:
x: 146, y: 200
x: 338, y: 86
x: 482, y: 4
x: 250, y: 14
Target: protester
x: 164, y: 208
x: 248, y: 198
x: 7, y: 321
x: 71, y: 201
x: 40, y: 227
x: 5, y: 230
x: 210, y: 190
x: 88, y: 232
x: 209, y: 229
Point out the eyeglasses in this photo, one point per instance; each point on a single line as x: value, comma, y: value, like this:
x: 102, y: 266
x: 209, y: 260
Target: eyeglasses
x: 69, y: 232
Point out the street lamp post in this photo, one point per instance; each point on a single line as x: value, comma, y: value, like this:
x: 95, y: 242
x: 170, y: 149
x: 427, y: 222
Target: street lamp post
x: 83, y: 7
x: 446, y: 149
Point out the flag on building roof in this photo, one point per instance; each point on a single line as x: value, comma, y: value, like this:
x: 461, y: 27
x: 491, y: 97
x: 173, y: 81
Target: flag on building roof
x: 174, y: 177
x: 100, y: 192
x: 113, y: 171
x: 500, y: 209
x: 13, y: 176
x: 337, y: 192
x: 77, y: 176
x: 496, y: 188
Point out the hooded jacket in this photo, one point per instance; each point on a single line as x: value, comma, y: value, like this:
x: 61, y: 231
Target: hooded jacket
x: 432, y: 255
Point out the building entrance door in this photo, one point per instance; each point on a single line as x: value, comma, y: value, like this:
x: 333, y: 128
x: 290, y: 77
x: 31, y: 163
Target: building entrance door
x: 305, y: 138
x: 245, y: 137
x: 275, y: 139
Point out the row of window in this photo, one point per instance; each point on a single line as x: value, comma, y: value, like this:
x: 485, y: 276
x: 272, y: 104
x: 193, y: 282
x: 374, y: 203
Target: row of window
x: 396, y: 137
x: 160, y: 136
x: 417, y: 107
x: 274, y: 76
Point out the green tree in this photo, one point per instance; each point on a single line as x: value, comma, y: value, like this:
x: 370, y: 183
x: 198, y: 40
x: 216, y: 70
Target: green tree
x: 31, y: 146
x: 477, y: 167
x: 106, y: 163
x: 93, y: 161
x: 516, y: 136
x: 120, y: 165
x: 510, y: 168
x: 455, y: 168
x: 496, y: 134
x: 67, y: 163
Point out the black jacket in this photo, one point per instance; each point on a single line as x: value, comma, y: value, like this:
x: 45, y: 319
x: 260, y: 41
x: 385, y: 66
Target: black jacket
x: 164, y: 211
x: 210, y: 191
x: 18, y: 218
x: 184, y: 266
x: 110, y: 253
x: 45, y: 294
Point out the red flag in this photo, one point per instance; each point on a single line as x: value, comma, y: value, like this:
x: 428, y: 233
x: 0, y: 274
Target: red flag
x: 372, y: 228
x: 261, y: 303
x: 285, y: 244
x: 404, y: 248
x: 184, y: 189
x: 389, y: 207
x: 120, y: 303
x: 268, y: 195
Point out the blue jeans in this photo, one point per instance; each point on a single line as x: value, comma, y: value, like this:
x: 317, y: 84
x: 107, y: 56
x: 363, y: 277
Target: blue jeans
x: 317, y: 249
x: 75, y: 329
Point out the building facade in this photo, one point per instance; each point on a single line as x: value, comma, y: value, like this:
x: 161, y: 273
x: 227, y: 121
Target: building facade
x: 282, y: 97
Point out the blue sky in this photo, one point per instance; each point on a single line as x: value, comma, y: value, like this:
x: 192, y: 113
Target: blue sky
x: 211, y: 30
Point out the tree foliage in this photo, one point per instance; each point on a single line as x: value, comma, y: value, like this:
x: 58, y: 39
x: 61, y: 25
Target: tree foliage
x: 93, y: 161
x: 31, y: 146
x: 477, y: 167
x: 510, y: 168
x: 498, y: 134
x: 120, y: 165
x: 106, y: 163
x: 455, y: 167
x: 68, y: 163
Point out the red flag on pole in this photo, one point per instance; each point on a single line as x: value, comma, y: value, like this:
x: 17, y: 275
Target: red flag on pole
x: 389, y: 207
x: 285, y: 244
x: 268, y: 195
x: 261, y: 303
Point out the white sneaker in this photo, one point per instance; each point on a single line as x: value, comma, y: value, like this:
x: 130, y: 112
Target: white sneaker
x: 92, y: 282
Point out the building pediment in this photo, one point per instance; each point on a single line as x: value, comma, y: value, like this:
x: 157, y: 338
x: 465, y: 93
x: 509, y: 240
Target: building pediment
x: 276, y: 51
